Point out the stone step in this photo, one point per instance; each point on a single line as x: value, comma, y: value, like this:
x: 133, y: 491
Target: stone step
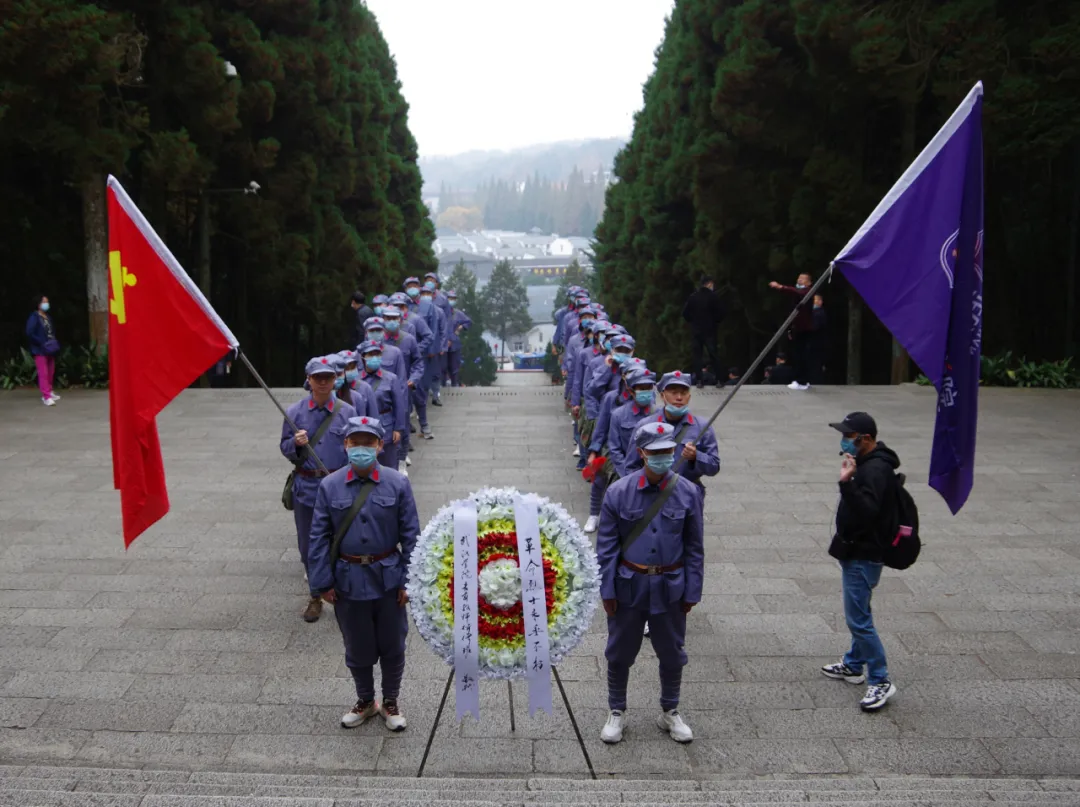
x: 66, y: 798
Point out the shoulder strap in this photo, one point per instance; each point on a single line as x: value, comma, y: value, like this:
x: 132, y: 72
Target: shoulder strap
x: 375, y: 384
x: 651, y: 513
x: 350, y: 517
x: 320, y: 432
x: 681, y: 433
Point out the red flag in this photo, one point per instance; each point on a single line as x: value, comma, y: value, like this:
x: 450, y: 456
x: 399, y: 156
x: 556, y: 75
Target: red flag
x: 163, y: 334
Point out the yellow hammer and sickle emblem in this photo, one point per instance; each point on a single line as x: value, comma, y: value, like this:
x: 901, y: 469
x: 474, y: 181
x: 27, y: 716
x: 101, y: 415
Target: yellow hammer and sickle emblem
x: 118, y: 278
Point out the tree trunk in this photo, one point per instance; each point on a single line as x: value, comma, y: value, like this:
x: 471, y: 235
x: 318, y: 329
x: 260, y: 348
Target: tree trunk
x: 1070, y: 267
x: 96, y: 256
x: 854, y: 337
x: 204, y: 261
x: 901, y: 362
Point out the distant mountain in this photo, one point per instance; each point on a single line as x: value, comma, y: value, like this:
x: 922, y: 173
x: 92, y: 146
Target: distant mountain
x: 553, y: 161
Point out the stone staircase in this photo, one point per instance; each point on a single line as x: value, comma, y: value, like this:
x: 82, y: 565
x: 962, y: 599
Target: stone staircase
x: 43, y: 786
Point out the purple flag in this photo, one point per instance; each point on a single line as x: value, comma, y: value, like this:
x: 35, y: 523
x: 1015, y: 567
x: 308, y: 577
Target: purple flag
x: 917, y: 262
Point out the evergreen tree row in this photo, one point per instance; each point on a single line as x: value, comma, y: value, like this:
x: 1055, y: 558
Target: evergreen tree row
x: 771, y: 128
x: 311, y: 110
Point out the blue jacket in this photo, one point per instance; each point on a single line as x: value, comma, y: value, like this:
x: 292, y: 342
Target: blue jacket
x: 410, y: 351
x: 387, y: 521
x: 460, y: 320
x: 620, y: 443
x: 708, y: 452
x: 390, y: 401
x: 675, y: 535
x: 38, y: 333
x: 331, y: 448
x: 612, y: 401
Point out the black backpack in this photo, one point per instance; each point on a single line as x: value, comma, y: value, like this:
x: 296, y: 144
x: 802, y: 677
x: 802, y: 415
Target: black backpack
x: 901, y: 550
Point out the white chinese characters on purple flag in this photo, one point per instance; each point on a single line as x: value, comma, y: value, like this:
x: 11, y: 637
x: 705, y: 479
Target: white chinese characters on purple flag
x: 466, y: 615
x: 533, y: 604
x: 917, y: 262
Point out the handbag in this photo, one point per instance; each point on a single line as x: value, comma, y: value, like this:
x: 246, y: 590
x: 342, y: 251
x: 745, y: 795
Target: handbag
x: 51, y: 347
x: 287, y: 494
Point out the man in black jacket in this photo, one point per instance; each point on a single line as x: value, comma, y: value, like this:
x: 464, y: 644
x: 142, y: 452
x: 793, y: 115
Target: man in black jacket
x: 867, y: 512
x: 363, y: 311
x: 704, y: 311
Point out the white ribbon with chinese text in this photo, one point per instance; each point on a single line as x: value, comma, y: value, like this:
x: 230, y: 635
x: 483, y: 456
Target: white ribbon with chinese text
x: 533, y: 604
x: 466, y: 613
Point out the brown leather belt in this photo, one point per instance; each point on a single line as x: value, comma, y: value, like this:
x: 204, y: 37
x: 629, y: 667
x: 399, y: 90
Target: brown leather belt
x: 367, y: 560
x: 314, y: 473
x: 652, y: 570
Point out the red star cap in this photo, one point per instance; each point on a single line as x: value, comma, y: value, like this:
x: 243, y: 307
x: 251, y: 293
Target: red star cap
x: 678, y: 374
x: 364, y: 421
x: 324, y: 361
x: 659, y: 429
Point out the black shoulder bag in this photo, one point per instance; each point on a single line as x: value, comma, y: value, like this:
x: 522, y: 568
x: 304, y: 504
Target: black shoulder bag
x: 287, y: 494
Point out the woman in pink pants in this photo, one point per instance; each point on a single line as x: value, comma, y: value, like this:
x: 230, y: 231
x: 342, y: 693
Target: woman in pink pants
x: 44, y: 347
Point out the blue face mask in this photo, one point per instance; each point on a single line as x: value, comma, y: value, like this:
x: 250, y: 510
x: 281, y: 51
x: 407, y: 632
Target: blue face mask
x: 660, y: 463
x: 847, y: 445
x: 644, y: 398
x: 378, y: 310
x: 676, y: 411
x: 621, y: 358
x: 800, y: 285
x: 413, y: 292
x: 453, y: 303
x: 393, y: 325
x: 339, y: 382
x: 44, y: 306
x: 587, y: 321
x: 362, y: 456
x: 376, y: 336
x: 429, y: 286
x: 373, y: 364
x: 351, y: 375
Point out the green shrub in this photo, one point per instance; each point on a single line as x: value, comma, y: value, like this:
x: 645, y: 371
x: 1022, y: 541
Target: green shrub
x: 81, y: 366
x: 1005, y: 370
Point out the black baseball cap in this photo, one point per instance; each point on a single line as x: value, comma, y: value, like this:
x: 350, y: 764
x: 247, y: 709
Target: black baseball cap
x: 857, y: 423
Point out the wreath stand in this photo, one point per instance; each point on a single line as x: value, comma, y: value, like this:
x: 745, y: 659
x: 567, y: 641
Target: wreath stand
x: 513, y: 727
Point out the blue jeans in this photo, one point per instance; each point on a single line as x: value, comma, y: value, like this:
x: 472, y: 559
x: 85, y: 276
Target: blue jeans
x: 860, y: 577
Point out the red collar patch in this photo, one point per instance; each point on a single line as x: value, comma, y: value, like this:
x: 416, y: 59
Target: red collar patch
x: 329, y: 404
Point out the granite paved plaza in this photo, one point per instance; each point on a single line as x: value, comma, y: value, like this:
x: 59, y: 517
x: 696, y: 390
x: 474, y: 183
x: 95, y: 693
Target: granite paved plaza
x: 188, y: 650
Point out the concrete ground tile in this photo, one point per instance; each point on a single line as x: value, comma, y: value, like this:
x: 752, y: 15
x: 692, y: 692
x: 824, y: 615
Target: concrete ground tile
x: 961, y: 642
x: 309, y: 691
x: 934, y: 757
x: 761, y: 757
x: 41, y: 745
x: 1058, y: 722
x: 643, y: 751
x: 74, y: 617
x: 966, y: 723
x: 156, y: 748
x: 152, y: 800
x: 1019, y: 621
x: 302, y: 753
x: 238, y: 718
x: 86, y: 773
x: 20, y: 713
x: 1026, y: 757
x: 847, y: 722
x: 264, y: 780
x: 53, y: 799
x: 64, y: 659
x: 148, y: 661
x: 123, y: 715
x: 216, y: 688
x: 1058, y: 641
x: 732, y: 722
x: 186, y: 618
x: 11, y: 636
x: 768, y: 623
x: 112, y: 638
x: 463, y: 756
x: 937, y: 667
x: 44, y: 599
x: 1037, y: 666
x: 996, y: 694
x: 43, y: 684
x: 207, y: 641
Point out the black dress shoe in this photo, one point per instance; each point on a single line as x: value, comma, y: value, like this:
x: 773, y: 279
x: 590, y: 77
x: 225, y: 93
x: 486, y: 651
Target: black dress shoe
x: 412, y: 429
x: 436, y: 402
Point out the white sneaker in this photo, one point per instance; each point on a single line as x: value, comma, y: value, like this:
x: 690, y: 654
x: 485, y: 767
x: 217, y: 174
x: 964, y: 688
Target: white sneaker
x: 408, y: 460
x: 675, y: 726
x: 402, y: 469
x: 394, y: 719
x: 646, y: 633
x: 55, y: 397
x: 48, y: 401
x: 804, y: 386
x: 613, y: 729
x: 359, y: 714
x: 577, y: 451
x: 794, y: 385
x: 591, y: 524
